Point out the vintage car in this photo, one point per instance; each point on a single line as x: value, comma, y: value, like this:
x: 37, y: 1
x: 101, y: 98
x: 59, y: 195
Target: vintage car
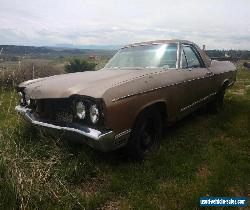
x: 143, y: 87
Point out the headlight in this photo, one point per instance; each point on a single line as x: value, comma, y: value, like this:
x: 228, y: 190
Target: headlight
x: 94, y: 113
x: 24, y: 99
x: 20, y: 94
x: 80, y: 110
x: 27, y: 99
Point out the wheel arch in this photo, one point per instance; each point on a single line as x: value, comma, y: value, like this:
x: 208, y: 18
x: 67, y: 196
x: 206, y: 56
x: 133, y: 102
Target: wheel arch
x: 225, y: 83
x: 160, y: 105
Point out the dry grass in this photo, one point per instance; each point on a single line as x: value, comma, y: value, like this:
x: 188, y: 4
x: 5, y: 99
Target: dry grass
x: 11, y: 77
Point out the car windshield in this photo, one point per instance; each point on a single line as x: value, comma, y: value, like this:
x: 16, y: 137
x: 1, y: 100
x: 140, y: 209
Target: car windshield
x: 145, y: 56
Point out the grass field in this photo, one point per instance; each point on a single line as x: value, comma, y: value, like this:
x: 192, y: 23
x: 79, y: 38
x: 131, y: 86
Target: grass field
x: 202, y: 155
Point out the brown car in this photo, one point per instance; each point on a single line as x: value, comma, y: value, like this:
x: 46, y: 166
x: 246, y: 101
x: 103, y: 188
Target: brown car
x: 144, y: 86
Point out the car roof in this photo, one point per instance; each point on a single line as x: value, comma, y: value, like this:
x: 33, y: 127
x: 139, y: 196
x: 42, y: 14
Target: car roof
x: 158, y: 42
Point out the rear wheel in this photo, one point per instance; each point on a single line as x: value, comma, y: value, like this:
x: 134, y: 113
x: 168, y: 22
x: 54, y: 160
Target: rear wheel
x: 146, y: 134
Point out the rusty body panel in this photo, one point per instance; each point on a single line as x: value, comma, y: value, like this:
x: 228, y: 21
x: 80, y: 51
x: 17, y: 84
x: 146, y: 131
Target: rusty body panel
x: 125, y: 93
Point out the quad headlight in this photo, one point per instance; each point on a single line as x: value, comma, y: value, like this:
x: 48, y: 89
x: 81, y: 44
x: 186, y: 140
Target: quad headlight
x: 94, y: 113
x: 20, y: 95
x: 80, y: 110
x: 87, y: 110
x: 27, y: 99
x: 24, y: 99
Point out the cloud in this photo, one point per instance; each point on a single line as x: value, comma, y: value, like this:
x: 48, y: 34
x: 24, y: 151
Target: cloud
x: 218, y: 24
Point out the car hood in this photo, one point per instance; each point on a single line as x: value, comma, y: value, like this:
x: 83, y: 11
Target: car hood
x: 90, y: 83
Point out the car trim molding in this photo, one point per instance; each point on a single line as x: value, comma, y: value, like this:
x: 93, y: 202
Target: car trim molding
x: 177, y: 83
x: 124, y: 133
x: 162, y: 71
x: 198, y: 101
x: 157, y: 88
x: 230, y: 84
x: 140, y: 77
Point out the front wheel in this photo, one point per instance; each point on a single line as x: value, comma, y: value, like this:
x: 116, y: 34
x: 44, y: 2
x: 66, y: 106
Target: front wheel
x: 146, y: 134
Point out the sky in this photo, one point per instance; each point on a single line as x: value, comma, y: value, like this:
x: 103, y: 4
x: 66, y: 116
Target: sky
x: 219, y: 24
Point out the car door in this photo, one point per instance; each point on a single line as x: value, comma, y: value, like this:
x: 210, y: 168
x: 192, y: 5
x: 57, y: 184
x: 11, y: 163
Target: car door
x: 197, y: 77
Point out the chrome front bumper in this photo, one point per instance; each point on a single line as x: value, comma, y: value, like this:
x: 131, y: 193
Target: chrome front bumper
x: 103, y: 141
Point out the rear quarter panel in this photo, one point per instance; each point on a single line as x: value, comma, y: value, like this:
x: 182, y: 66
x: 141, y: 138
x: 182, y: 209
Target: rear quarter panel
x: 224, y: 71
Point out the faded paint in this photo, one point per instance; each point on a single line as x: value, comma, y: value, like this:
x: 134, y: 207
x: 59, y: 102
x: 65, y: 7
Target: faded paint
x: 126, y: 92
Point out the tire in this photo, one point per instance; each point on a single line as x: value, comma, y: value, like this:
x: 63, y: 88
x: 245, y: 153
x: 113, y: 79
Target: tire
x: 217, y: 104
x: 146, y: 135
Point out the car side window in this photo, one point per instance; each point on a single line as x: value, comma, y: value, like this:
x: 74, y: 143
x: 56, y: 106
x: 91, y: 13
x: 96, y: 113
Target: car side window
x: 191, y: 57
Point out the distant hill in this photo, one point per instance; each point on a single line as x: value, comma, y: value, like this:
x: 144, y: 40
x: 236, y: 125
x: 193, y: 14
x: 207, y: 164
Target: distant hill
x: 238, y: 54
x: 31, y: 51
x: 91, y: 47
x: 22, y: 50
x: 89, y: 50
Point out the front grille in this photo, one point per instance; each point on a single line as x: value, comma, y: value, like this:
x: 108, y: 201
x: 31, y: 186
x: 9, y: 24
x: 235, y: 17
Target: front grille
x: 62, y: 111
x: 57, y: 110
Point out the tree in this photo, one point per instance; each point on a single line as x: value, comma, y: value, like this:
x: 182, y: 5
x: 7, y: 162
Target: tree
x: 78, y: 65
